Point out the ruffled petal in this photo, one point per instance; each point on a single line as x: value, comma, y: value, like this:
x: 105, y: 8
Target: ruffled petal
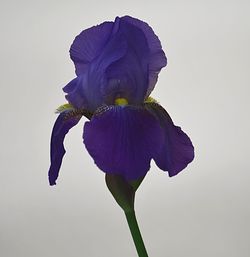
x: 177, y: 150
x: 122, y: 140
x: 89, y: 44
x: 157, y: 57
x: 128, y: 76
x: 62, y: 125
x: 118, y: 59
x: 85, y: 90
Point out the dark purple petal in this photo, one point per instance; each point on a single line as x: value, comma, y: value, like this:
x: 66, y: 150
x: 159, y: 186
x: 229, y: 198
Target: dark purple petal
x: 62, y: 125
x: 177, y: 151
x: 86, y: 90
x: 89, y: 44
x: 75, y: 94
x: 128, y: 76
x: 118, y: 59
x: 157, y: 58
x: 122, y: 140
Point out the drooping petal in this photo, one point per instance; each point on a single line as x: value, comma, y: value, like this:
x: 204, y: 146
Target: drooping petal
x: 63, y: 124
x: 157, y: 57
x: 177, y: 151
x: 123, y: 139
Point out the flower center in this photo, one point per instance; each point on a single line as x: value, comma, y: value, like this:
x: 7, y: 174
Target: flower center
x: 121, y: 101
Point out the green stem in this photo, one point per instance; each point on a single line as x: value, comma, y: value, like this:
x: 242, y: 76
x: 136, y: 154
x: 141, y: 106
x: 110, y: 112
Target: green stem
x: 135, y: 232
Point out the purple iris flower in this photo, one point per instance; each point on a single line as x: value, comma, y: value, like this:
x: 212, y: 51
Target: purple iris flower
x: 117, y: 65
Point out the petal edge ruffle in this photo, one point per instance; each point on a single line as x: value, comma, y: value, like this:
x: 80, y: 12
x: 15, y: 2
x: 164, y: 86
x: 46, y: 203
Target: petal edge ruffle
x: 157, y: 57
x: 89, y: 44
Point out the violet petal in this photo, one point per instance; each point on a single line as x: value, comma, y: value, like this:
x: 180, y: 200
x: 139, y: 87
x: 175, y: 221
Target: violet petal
x: 122, y: 140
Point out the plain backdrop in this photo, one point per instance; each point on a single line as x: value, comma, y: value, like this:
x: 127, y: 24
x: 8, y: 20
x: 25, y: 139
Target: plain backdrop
x: 202, y: 212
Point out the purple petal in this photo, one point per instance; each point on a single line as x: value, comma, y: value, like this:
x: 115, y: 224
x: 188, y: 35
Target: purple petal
x: 122, y: 140
x: 115, y: 59
x: 157, y: 59
x: 75, y: 94
x: 89, y: 44
x: 62, y: 125
x: 128, y: 76
x: 177, y: 151
x: 85, y: 91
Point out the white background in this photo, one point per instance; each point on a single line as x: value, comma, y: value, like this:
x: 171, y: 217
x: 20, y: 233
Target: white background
x: 202, y: 212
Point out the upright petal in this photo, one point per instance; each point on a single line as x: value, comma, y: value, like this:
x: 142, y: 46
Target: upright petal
x: 114, y: 59
x: 177, y: 151
x: 85, y: 90
x: 122, y: 140
x: 157, y: 57
x: 89, y: 44
x: 62, y: 125
x: 128, y: 76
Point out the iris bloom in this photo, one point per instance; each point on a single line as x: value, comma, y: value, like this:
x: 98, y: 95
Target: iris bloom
x: 117, y: 66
